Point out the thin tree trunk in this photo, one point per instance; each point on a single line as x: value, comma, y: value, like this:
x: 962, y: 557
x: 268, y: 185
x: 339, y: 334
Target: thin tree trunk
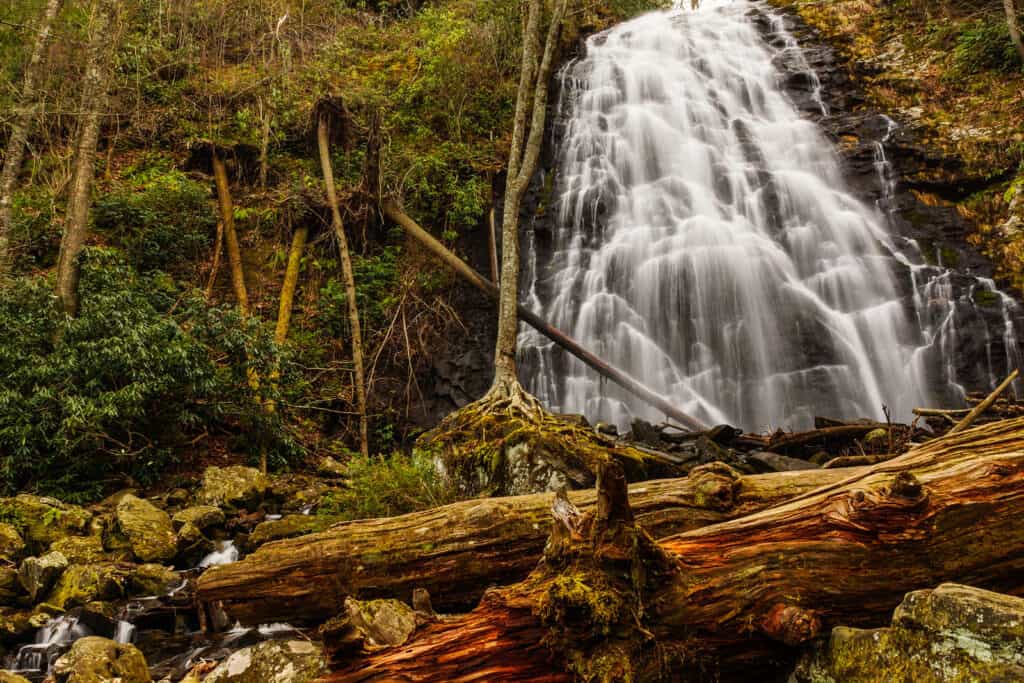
x: 1011, y: 23
x: 227, y: 216
x: 531, y: 107
x: 395, y: 213
x: 350, y: 281
x: 291, y: 281
x: 264, y: 145
x: 218, y: 246
x: 94, y: 99
x: 24, y: 110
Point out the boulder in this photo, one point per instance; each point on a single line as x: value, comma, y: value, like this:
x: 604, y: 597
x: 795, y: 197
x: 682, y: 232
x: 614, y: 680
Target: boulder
x: 97, y: 660
x: 952, y: 634
x: 148, y: 528
x: 234, y: 487
x: 11, y: 677
x: 289, y: 526
x: 152, y: 579
x: 38, y: 574
x: 193, y: 546
x: 329, y: 467
x: 81, y: 549
x: 368, y: 625
x: 17, y: 626
x: 10, y: 587
x: 41, y: 521
x: 12, y: 545
x: 280, y: 661
x: 84, y: 583
x: 200, y: 516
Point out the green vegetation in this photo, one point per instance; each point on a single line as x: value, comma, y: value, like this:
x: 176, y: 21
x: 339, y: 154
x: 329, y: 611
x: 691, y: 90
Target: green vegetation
x: 984, y: 45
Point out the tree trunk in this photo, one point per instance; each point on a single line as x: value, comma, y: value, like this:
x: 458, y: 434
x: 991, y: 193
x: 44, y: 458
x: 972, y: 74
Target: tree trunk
x: 291, y: 281
x: 1014, y: 27
x: 733, y: 601
x: 458, y: 550
x: 25, y: 108
x: 531, y: 108
x: 350, y: 281
x: 218, y: 247
x: 94, y: 102
x: 395, y: 213
x: 227, y: 217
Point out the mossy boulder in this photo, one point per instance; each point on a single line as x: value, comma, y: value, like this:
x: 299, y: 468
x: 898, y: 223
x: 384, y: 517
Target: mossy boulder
x: 81, y: 584
x: 17, y: 625
x: 152, y: 579
x: 98, y: 660
x: 12, y: 545
x: 289, y: 526
x: 81, y: 549
x: 331, y: 468
x: 280, y: 661
x: 233, y: 488
x: 200, y: 516
x: 10, y: 587
x: 41, y: 521
x: 193, y: 546
x: 11, y: 677
x: 38, y: 574
x: 148, y: 528
x: 952, y: 634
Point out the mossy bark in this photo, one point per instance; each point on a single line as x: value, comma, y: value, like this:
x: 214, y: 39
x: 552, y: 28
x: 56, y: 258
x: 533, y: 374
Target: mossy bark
x: 734, y: 601
x: 458, y: 550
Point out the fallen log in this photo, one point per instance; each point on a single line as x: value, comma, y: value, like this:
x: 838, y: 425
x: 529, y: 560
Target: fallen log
x: 734, y: 600
x: 393, y: 211
x: 457, y: 551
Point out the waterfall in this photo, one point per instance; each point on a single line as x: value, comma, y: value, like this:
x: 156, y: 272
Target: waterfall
x: 52, y: 640
x: 708, y: 245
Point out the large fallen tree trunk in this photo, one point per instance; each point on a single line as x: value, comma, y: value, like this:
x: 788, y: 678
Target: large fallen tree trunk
x: 457, y: 551
x: 732, y: 601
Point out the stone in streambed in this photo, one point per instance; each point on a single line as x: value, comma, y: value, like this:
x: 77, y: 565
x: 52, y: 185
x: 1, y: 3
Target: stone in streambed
x: 200, y: 516
x: 82, y: 584
x: 38, y: 574
x: 41, y: 520
x: 82, y: 549
x: 277, y: 661
x: 12, y: 545
x: 148, y: 528
x: 764, y: 461
x: 193, y: 545
x: 100, y: 660
x: 234, y: 487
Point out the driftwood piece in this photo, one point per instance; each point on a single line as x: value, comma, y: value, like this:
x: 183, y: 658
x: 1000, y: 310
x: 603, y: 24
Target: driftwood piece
x: 984, y: 405
x: 733, y: 600
x: 457, y: 551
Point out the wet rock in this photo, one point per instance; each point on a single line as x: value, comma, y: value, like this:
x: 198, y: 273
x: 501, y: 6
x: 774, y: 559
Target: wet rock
x: 329, y: 467
x: 764, y: 461
x: 148, y: 528
x: 152, y: 579
x: 200, y: 516
x: 280, y: 661
x: 97, y: 660
x: 12, y: 545
x: 952, y: 634
x: 234, y: 487
x: 367, y: 625
x: 10, y: 677
x: 289, y: 526
x: 193, y: 545
x: 41, y: 521
x: 38, y: 574
x: 81, y: 549
x: 18, y: 625
x: 84, y: 583
x: 100, y: 617
x: 113, y: 538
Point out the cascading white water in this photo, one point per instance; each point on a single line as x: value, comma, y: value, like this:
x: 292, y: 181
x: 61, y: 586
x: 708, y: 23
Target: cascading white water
x: 226, y: 553
x: 708, y: 245
x: 52, y: 640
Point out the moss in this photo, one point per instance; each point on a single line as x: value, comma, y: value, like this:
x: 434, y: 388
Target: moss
x: 582, y: 599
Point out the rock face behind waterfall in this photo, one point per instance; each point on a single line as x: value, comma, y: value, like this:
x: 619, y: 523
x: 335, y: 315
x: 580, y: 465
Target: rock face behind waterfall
x: 702, y: 232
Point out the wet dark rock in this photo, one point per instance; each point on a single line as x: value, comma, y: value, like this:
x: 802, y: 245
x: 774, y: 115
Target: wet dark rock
x: 200, y: 516
x: 193, y: 545
x: 765, y: 461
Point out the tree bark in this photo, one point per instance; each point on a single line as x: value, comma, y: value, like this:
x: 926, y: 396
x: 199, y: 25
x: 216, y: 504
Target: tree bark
x: 94, y: 99
x: 218, y: 247
x: 458, y: 550
x: 531, y: 110
x: 291, y: 281
x: 733, y: 601
x: 1014, y: 27
x: 395, y: 213
x: 227, y: 217
x: 25, y: 108
x: 350, y: 281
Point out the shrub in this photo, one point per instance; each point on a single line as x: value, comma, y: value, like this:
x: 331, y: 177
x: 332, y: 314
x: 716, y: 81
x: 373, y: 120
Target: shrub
x: 984, y: 44
x: 387, y: 487
x: 376, y: 286
x: 118, y: 390
x: 162, y: 219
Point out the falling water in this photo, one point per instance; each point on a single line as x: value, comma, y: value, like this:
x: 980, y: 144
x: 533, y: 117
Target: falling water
x: 709, y: 246
x: 52, y: 640
x: 226, y: 553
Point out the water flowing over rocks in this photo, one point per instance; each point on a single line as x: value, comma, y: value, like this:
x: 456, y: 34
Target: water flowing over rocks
x: 721, y: 249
